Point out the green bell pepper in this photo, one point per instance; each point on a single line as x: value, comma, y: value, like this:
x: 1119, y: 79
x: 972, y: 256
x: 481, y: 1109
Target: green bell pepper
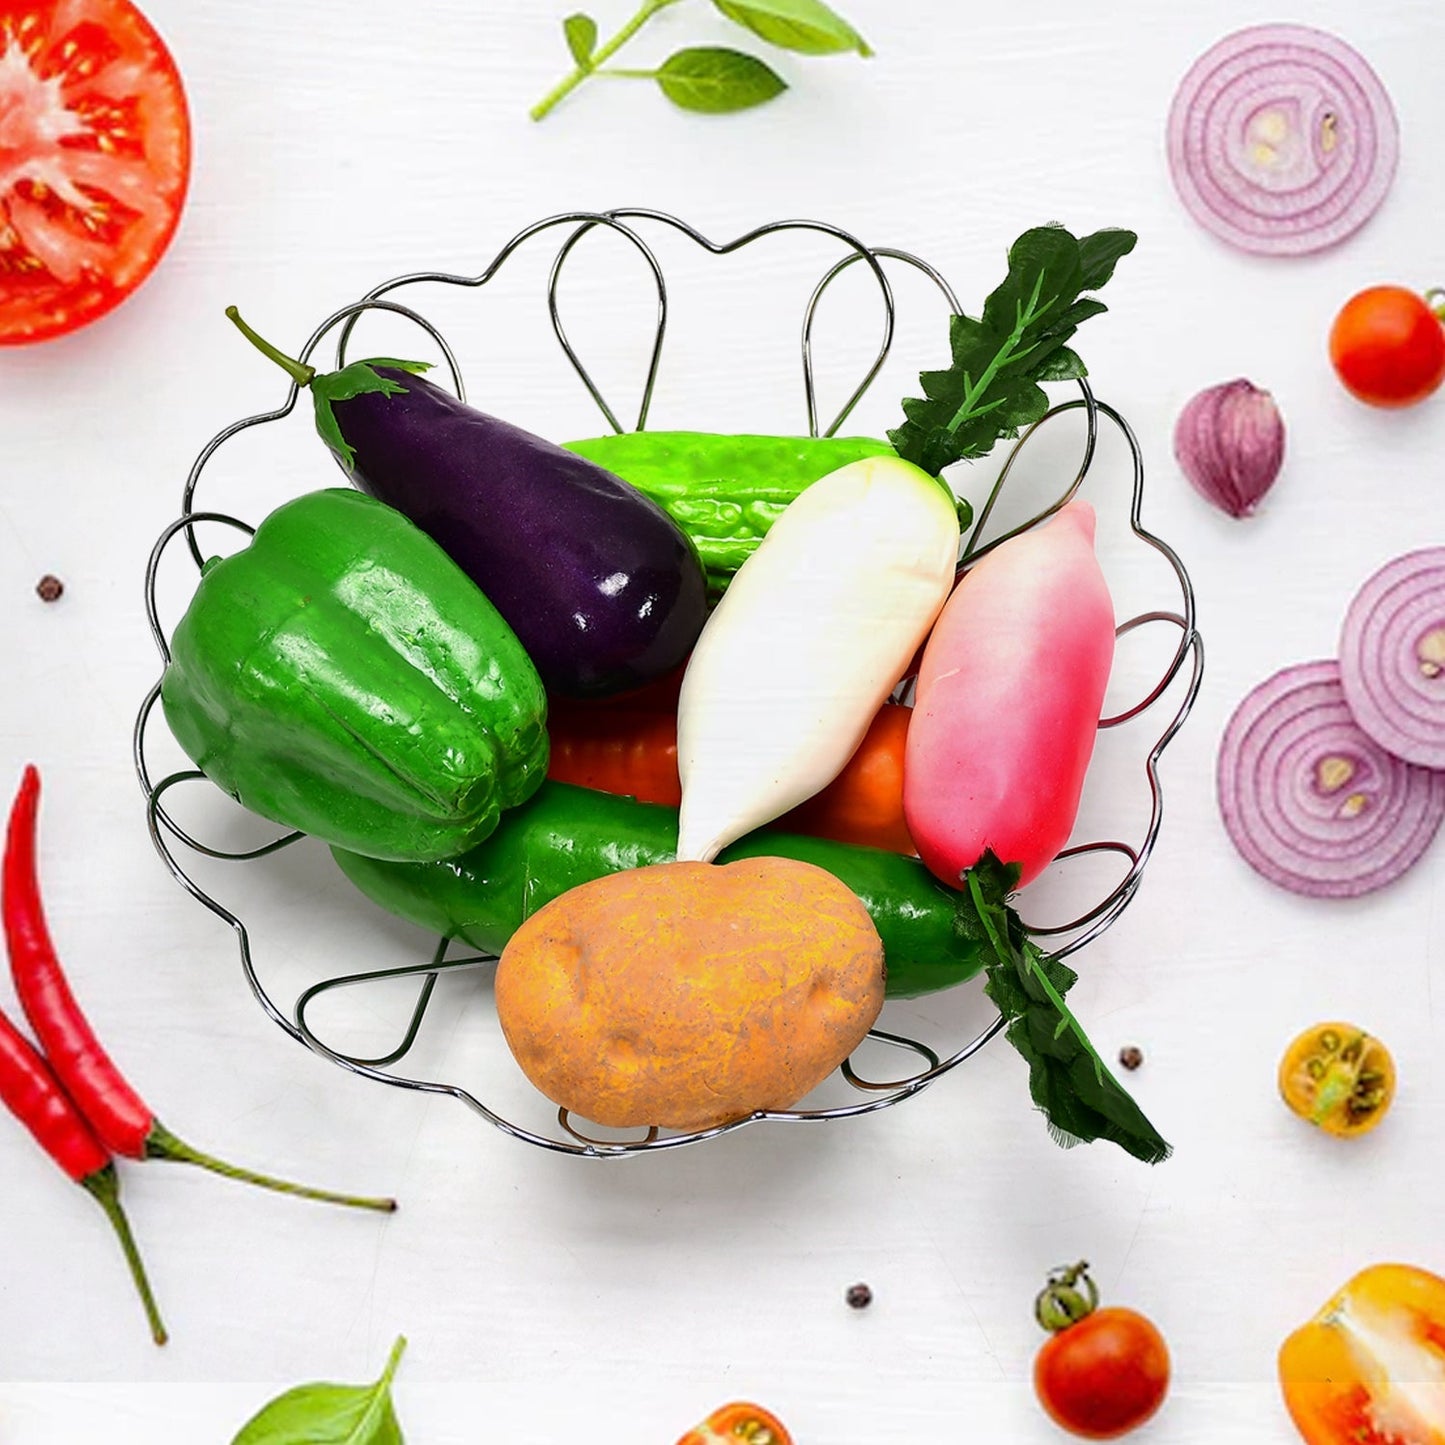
x: 342, y: 676
x: 932, y: 935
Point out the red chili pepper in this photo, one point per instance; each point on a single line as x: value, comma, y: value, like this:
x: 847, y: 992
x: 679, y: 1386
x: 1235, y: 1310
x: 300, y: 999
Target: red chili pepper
x: 119, y: 1116
x: 31, y: 1092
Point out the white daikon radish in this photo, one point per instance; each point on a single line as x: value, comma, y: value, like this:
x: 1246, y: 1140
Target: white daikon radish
x: 811, y: 636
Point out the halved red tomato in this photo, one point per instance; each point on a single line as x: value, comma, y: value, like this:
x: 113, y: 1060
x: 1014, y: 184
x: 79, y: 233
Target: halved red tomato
x: 739, y: 1423
x: 95, y: 158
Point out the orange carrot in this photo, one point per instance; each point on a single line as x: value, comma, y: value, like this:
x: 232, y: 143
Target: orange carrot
x: 633, y: 752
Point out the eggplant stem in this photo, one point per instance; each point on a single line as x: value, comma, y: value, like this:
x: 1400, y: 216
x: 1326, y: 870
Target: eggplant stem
x: 298, y: 371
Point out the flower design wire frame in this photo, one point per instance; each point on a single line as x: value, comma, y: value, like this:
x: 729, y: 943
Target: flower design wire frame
x: 1184, y: 665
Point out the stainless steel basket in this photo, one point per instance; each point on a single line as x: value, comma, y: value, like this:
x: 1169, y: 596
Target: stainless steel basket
x: 1183, y: 666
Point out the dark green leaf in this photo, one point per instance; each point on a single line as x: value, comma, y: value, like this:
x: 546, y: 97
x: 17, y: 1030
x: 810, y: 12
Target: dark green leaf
x: 581, y: 33
x: 358, y: 379
x: 1080, y: 1098
x: 1044, y: 277
x: 991, y: 388
x: 807, y: 26
x: 1101, y: 252
x: 716, y: 80
x: 1063, y: 365
x: 330, y: 1414
x: 1081, y: 310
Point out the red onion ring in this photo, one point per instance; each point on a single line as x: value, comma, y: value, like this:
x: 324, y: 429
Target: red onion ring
x: 1282, y: 140
x: 1310, y: 801
x: 1392, y: 657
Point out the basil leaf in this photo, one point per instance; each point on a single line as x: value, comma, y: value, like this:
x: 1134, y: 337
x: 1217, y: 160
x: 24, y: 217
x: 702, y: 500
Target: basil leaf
x: 716, y: 80
x: 807, y: 26
x: 581, y: 33
x: 330, y: 1414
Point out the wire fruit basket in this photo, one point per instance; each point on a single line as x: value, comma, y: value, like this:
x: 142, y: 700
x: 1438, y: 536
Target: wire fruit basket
x: 1178, y: 678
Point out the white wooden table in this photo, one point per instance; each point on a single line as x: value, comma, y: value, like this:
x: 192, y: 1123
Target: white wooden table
x: 546, y: 1297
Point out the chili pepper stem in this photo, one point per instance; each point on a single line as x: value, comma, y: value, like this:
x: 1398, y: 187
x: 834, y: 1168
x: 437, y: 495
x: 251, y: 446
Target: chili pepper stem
x: 162, y: 1144
x: 104, y: 1186
x: 298, y: 371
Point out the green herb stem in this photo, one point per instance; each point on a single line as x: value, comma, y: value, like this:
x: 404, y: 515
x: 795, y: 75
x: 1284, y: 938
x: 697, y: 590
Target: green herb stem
x: 598, y: 58
x: 1006, y: 354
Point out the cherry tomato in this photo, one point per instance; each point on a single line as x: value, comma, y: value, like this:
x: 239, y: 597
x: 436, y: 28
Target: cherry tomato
x: 1338, y: 1077
x: 95, y: 156
x: 1105, y: 1371
x: 1388, y: 346
x: 1369, y: 1369
x: 739, y: 1423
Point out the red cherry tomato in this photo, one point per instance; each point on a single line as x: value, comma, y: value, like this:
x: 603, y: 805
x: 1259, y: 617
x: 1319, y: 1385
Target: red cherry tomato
x: 1388, y: 346
x: 1104, y: 1372
x: 95, y: 157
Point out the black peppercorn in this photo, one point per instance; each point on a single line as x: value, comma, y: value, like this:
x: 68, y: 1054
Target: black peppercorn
x: 859, y: 1296
x: 49, y: 588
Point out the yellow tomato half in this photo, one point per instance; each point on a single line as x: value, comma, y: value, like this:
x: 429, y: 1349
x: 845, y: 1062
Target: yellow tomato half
x: 1338, y: 1077
x: 1369, y: 1369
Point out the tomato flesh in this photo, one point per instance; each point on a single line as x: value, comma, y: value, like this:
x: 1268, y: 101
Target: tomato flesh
x: 1339, y: 1078
x: 94, y: 160
x: 1103, y: 1376
x: 738, y: 1423
x: 1388, y: 347
x: 1369, y: 1369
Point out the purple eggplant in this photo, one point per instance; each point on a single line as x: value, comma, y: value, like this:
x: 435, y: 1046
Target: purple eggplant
x: 601, y: 586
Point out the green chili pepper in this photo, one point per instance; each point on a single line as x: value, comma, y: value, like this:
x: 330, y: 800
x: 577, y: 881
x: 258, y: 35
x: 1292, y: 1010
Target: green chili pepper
x: 724, y: 491
x: 932, y: 935
x: 343, y: 676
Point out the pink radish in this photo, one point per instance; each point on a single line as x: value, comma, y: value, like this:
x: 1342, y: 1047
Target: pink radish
x: 1008, y: 700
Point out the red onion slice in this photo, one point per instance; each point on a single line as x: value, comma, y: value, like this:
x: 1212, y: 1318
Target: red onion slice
x: 1282, y: 140
x: 1392, y: 657
x: 1312, y: 802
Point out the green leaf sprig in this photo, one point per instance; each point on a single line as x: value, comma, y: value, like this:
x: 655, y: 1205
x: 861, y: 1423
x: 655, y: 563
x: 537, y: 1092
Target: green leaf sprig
x: 710, y: 78
x: 1080, y: 1098
x: 330, y: 1414
x: 991, y: 388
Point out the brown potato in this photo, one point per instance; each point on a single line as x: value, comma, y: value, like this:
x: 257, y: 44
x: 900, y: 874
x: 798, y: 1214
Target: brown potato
x: 685, y: 995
